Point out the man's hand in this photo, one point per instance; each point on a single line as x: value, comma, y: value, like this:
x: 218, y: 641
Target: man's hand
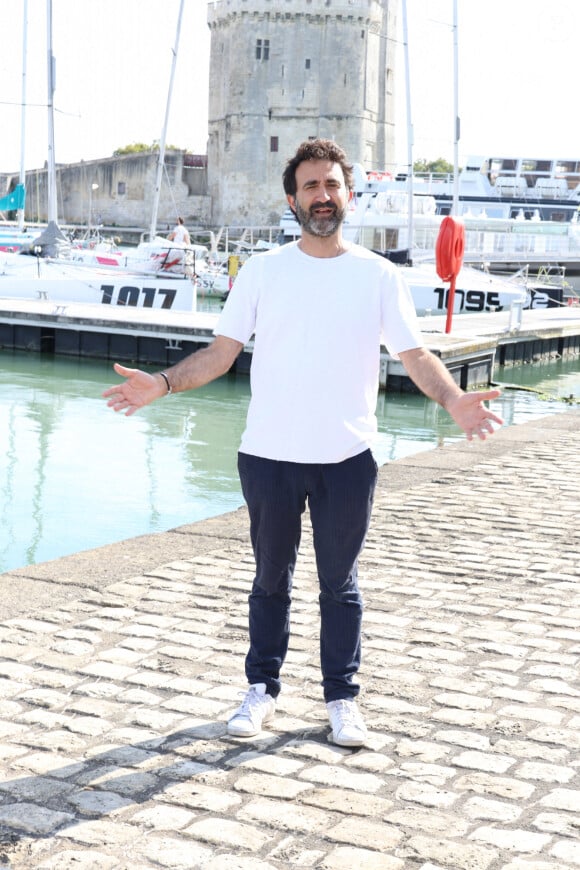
x: 197, y: 369
x: 470, y: 413
x: 433, y: 379
x: 139, y: 389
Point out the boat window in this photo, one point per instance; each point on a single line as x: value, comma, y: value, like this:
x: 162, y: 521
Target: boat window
x: 532, y: 170
x: 563, y: 167
x: 570, y: 170
x: 544, y: 166
x: 522, y: 213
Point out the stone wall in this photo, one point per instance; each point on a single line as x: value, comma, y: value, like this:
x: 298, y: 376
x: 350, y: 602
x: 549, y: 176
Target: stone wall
x: 119, y: 191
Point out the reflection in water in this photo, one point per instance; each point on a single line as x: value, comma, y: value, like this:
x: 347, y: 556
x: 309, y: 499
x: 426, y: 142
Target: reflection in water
x: 40, y: 424
x: 8, y: 485
x: 74, y: 475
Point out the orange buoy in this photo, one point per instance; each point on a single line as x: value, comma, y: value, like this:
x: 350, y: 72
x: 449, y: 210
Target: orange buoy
x: 449, y: 257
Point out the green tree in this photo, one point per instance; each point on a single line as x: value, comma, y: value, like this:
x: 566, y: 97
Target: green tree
x: 439, y: 166
x: 140, y: 147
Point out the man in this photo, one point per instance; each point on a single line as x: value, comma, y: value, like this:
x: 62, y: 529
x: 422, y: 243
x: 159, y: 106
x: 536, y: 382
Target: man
x: 318, y: 309
x: 180, y: 236
x: 179, y: 233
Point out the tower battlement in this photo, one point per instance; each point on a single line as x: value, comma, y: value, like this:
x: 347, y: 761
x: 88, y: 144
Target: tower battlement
x: 218, y: 9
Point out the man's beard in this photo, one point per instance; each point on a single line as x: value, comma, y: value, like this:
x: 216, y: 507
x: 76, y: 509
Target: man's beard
x: 321, y: 225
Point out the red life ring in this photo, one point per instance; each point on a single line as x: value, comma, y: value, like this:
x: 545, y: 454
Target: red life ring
x: 449, y: 248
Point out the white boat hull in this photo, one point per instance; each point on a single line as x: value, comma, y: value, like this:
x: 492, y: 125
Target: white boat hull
x: 475, y: 291
x: 160, y: 258
x: 71, y: 282
x: 59, y: 282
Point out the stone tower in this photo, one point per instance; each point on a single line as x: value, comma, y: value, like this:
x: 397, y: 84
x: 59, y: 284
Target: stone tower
x: 282, y: 71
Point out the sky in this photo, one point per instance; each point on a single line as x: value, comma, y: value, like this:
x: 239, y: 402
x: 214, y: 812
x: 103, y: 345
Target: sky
x: 517, y: 68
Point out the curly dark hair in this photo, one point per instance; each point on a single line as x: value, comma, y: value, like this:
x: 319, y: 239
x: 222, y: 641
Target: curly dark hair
x: 316, y: 149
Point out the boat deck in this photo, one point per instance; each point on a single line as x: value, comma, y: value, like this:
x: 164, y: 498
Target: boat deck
x: 476, y: 344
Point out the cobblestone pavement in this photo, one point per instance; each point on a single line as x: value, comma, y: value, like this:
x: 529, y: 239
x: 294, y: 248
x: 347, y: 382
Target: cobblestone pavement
x: 113, y: 699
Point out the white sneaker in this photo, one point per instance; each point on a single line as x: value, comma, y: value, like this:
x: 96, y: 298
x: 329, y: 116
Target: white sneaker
x: 256, y: 708
x: 348, y: 728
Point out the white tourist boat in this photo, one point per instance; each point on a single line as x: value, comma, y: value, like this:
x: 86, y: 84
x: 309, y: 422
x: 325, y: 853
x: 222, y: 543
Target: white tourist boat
x: 500, y: 187
x: 501, y: 243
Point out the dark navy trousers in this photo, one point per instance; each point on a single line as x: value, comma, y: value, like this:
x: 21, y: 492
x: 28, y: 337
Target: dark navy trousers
x: 339, y: 496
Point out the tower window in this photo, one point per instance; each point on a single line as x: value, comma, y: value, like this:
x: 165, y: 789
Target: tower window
x: 307, y: 63
x: 262, y: 49
x: 273, y: 143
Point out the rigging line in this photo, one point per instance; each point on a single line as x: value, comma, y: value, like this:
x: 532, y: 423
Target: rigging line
x: 20, y: 104
x: 170, y: 187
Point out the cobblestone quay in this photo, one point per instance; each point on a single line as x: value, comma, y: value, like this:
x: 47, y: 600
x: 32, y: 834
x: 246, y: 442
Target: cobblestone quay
x: 118, y: 668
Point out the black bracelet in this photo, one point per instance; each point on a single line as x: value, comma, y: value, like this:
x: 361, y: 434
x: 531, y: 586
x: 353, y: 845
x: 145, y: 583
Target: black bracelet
x: 166, y: 379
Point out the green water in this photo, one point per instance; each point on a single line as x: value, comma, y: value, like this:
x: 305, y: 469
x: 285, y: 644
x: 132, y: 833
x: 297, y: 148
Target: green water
x: 74, y: 475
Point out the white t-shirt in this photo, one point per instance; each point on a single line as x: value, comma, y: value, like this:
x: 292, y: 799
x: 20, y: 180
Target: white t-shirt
x: 318, y: 326
x: 181, y: 235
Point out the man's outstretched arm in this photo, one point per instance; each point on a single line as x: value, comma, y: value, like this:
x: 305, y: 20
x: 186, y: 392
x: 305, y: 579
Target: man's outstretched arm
x: 140, y: 388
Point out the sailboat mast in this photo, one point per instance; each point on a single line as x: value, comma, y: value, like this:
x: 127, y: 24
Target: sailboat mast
x: 23, y: 111
x: 161, y: 159
x: 51, y: 166
x: 457, y: 132
x: 409, y: 135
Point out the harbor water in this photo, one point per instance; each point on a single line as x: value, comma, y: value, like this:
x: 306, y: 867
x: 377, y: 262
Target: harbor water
x: 74, y: 475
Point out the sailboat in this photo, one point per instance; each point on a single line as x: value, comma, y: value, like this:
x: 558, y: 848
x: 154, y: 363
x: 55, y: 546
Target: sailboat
x: 152, y: 276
